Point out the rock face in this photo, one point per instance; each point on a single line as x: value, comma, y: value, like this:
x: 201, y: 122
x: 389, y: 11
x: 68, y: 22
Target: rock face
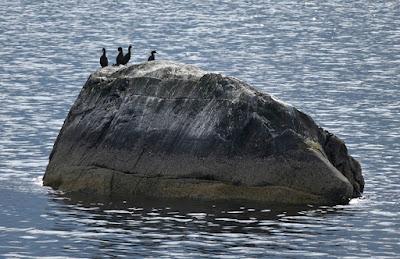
x: 164, y: 129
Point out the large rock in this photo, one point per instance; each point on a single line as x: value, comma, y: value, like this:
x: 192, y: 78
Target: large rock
x: 164, y: 129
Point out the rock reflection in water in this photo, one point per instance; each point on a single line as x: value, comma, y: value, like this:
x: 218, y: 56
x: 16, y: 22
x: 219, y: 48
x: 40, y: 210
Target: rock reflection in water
x: 244, y: 228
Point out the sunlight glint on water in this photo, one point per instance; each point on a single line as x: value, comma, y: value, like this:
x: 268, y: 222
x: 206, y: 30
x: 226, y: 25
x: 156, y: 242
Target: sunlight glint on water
x: 338, y: 61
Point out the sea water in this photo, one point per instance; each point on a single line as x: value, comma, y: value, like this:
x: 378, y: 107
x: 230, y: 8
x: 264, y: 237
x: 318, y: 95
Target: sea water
x: 338, y: 61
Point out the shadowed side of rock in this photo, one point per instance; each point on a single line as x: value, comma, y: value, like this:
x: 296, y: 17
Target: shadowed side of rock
x: 172, y: 130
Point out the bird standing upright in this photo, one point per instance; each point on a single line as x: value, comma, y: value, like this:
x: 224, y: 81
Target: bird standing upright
x: 103, y: 59
x: 120, y: 57
x: 152, y: 57
x: 127, y: 56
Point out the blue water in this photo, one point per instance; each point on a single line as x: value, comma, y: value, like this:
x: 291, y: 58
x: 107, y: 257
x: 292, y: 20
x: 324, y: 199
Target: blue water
x: 339, y: 61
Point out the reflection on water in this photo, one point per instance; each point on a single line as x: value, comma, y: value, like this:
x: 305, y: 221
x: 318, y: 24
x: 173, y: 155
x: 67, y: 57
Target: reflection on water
x: 178, y: 228
x: 336, y: 60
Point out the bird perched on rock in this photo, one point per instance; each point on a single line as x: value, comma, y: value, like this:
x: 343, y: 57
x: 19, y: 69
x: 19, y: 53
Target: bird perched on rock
x: 127, y: 56
x: 104, y: 59
x: 152, y: 57
x: 120, y: 57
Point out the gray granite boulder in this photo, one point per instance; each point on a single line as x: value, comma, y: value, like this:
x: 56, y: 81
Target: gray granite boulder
x: 164, y: 129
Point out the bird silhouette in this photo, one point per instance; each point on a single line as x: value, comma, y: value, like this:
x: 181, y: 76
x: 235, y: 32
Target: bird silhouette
x: 152, y: 57
x: 127, y: 56
x: 104, y: 59
x: 120, y: 57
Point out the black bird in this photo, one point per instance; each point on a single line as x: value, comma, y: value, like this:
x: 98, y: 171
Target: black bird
x: 103, y: 59
x: 120, y: 57
x: 127, y: 56
x: 151, y: 58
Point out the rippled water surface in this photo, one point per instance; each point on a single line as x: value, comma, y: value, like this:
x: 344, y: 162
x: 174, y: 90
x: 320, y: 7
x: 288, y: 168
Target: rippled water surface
x: 338, y: 61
